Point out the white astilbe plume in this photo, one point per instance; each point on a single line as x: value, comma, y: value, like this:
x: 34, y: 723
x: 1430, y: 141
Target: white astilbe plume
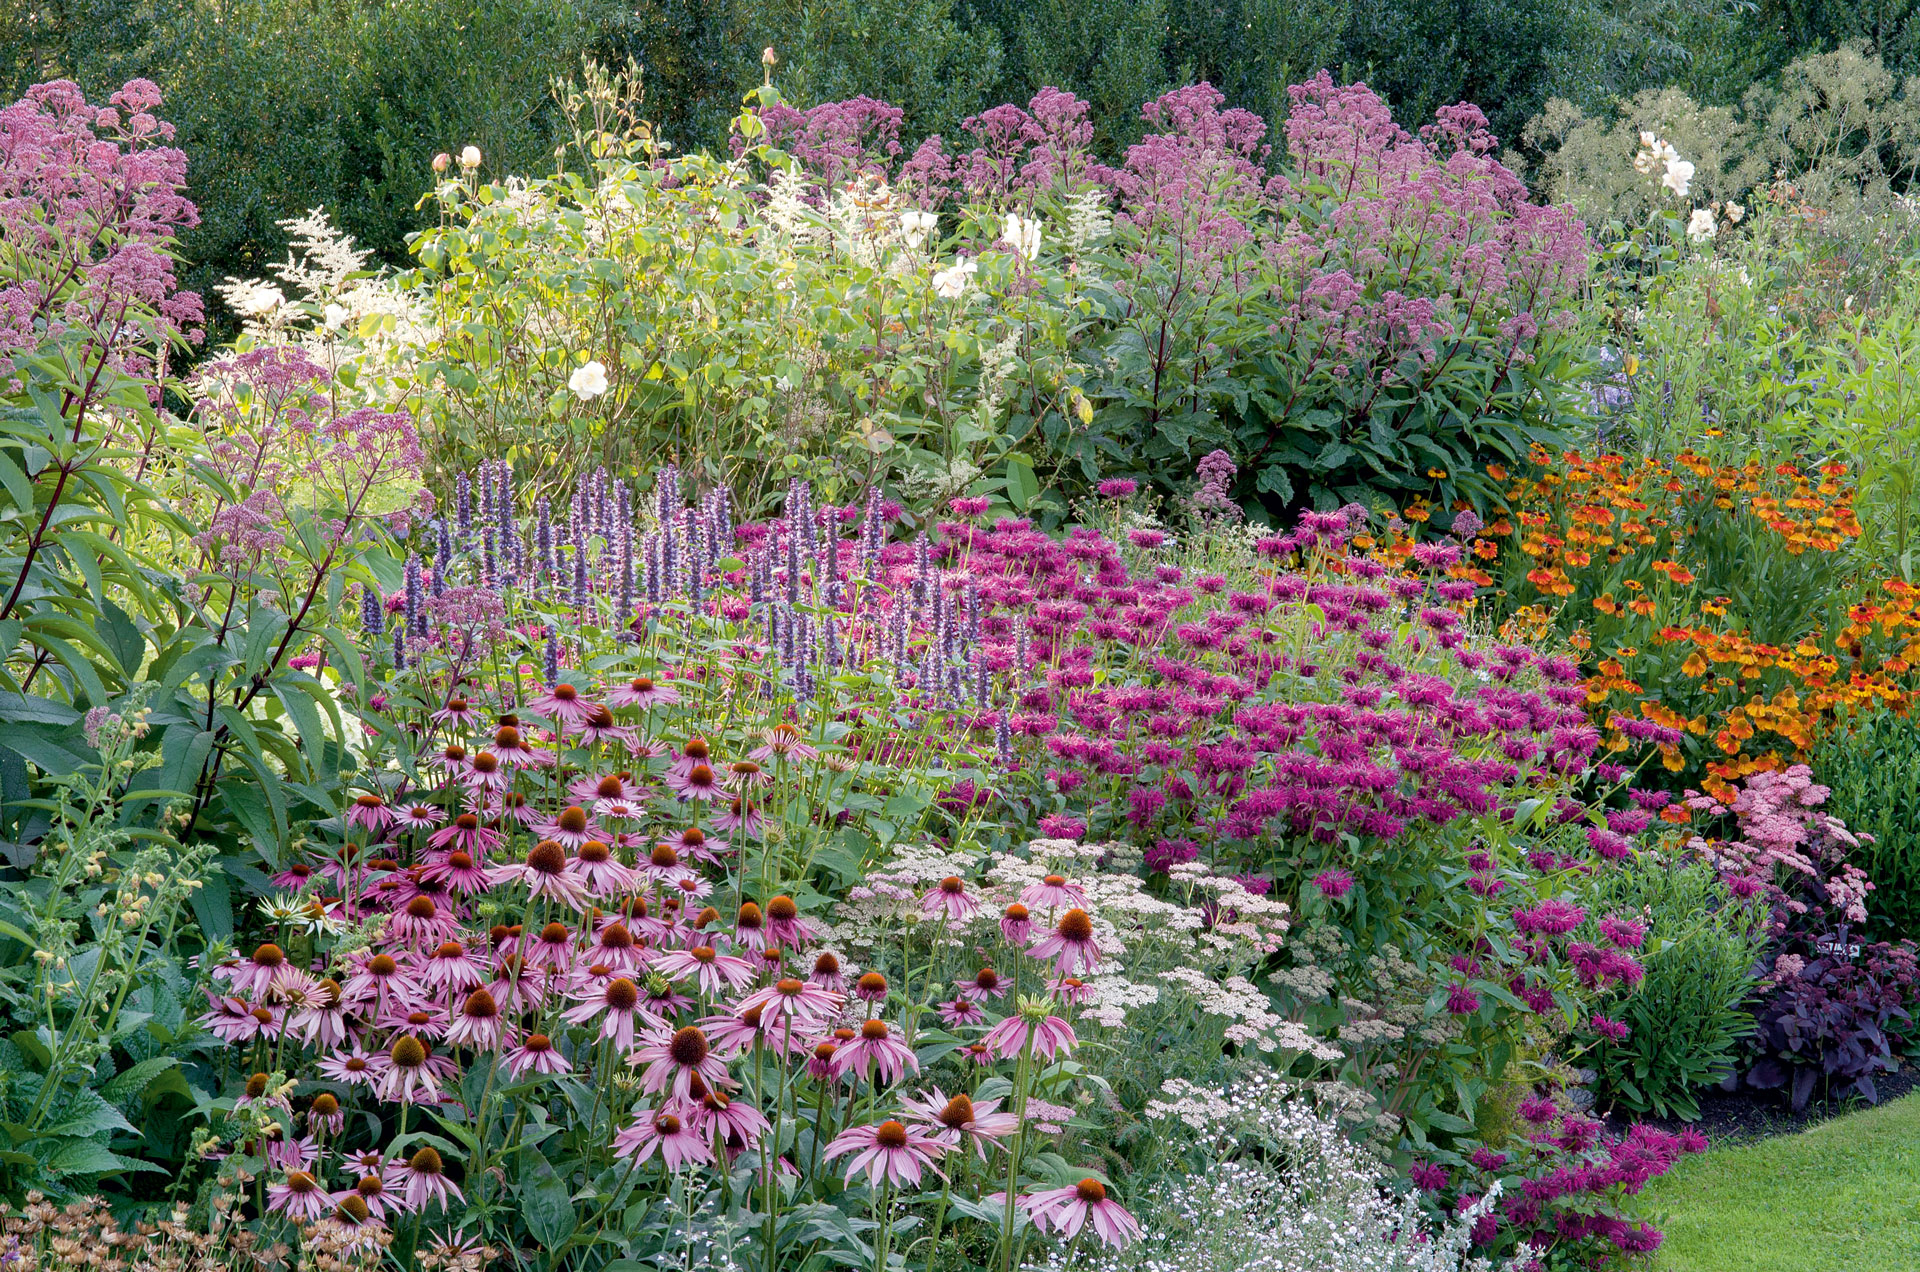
x: 320, y: 259
x: 787, y: 209
x: 1288, y: 1192
x: 1088, y: 220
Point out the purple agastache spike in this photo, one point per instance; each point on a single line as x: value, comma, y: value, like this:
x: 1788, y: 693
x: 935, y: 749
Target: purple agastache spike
x: 463, y: 504
x: 543, y: 539
x: 414, y: 598
x: 443, y: 555
x: 550, y: 664
x: 373, y: 616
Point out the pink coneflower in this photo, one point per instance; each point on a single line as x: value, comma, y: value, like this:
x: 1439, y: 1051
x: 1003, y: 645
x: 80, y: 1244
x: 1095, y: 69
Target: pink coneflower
x: 1066, y: 1210
x: 675, y: 1138
x: 870, y: 987
x: 295, y: 878
x: 458, y: 711
x: 486, y: 773
x: 783, y: 741
x: 355, y: 1068
x: 460, y: 870
x: 465, y: 834
x: 961, y: 1011
x: 371, y: 814
x: 742, y: 1124
x: 507, y: 806
x: 510, y: 745
x: 1070, y: 945
x: 536, y: 1054
x: 820, y: 1063
x: 961, y: 1120
x: 254, y: 975
x: 418, y: 817
x: 563, y: 705
x: 324, y: 1115
x: 689, y: 889
x: 552, y: 947
x: 1051, y: 1035
x: 299, y: 1196
x: 233, y: 1020
x: 381, y: 980
x: 604, y: 874
x: 826, y: 972
x: 949, y: 898
x: 698, y: 782
x: 712, y: 972
x: 614, y: 946
x: 546, y: 874
x: 477, y: 1024
x: 371, y: 1191
x: 672, y: 1063
x: 1053, y: 892
x: 422, y: 921
x: 887, y: 1153
x: 1070, y: 990
x: 784, y: 924
x: 695, y: 752
x: 643, y: 692
x: 663, y: 866
x: 589, y: 789
x: 982, y: 986
x: 453, y: 969
x: 570, y: 829
x: 750, y: 928
x: 793, y: 1003
x: 600, y: 727
x: 744, y: 777
x: 740, y: 814
x: 618, y: 1003
x: 452, y: 759
x: 695, y: 844
x: 424, y: 1179
x: 407, y: 1076
x: 1016, y: 924
x: 875, y: 1048
x: 423, y: 1020
x: 301, y: 1153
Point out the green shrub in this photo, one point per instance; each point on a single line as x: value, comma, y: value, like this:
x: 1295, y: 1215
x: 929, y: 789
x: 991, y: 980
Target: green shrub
x: 1687, y: 1020
x: 1873, y: 770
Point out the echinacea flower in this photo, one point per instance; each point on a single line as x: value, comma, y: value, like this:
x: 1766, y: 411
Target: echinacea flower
x: 355, y: 1068
x: 298, y: 1196
x: 563, y: 705
x: 234, y: 1020
x: 617, y: 1003
x: 950, y: 899
x: 536, y: 1054
x: 477, y: 1023
x: 324, y: 1115
x: 1070, y: 945
x: 486, y: 773
x: 423, y: 1179
x: 570, y: 829
x: 740, y: 1123
x: 252, y: 976
x: 983, y: 985
x: 546, y: 874
x: 712, y: 972
x: 643, y: 692
x: 741, y: 814
x: 784, y: 926
x: 960, y: 1120
x: 1064, y: 1211
x: 1053, y: 892
x: 887, y: 1153
x: 794, y: 1003
x: 604, y: 875
x: 1016, y: 924
x: 371, y: 814
x: 1050, y: 1035
x: 697, y: 782
x: 695, y: 844
x: 465, y: 834
x: 407, y: 1078
x: 783, y: 741
x: 961, y: 1011
x: 672, y: 1063
x: 372, y: 1192
x: 875, y: 1047
x: 675, y: 1138
x: 419, y: 817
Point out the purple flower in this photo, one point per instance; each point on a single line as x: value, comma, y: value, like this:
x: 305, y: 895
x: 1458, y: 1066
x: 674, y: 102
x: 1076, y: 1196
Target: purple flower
x: 1334, y: 882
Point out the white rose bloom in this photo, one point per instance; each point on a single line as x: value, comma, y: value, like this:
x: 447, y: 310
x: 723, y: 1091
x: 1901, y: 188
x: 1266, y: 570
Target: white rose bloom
x: 1022, y: 234
x: 1701, y: 226
x: 470, y: 157
x: 1679, y: 178
x: 336, y: 316
x: 1649, y: 140
x: 1734, y: 212
x: 951, y: 283
x: 915, y: 226
x: 589, y: 382
x: 260, y: 300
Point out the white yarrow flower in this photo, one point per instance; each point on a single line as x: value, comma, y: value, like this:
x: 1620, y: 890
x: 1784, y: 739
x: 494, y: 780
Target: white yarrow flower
x: 588, y: 382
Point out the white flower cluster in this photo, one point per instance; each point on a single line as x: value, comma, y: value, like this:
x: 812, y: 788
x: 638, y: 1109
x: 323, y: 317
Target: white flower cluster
x: 1291, y: 1192
x: 1676, y: 174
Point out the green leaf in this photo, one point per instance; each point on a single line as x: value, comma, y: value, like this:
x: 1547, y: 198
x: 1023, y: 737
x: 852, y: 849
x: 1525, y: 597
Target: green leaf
x: 1023, y: 487
x: 545, y: 1201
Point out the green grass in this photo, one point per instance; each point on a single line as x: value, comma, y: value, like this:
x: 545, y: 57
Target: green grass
x: 1841, y: 1197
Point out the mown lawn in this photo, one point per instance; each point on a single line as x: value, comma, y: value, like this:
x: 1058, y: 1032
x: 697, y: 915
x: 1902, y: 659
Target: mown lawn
x: 1841, y: 1197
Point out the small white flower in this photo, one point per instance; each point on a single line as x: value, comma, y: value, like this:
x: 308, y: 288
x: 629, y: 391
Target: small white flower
x: 588, y: 382
x: 1679, y: 177
x: 1734, y: 212
x: 258, y: 300
x: 1022, y: 234
x: 951, y: 283
x: 1649, y: 140
x: 470, y: 158
x: 1701, y: 226
x: 335, y: 317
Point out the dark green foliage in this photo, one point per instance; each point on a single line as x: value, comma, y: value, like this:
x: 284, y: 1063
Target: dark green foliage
x: 1873, y: 770
x: 1687, y: 1017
